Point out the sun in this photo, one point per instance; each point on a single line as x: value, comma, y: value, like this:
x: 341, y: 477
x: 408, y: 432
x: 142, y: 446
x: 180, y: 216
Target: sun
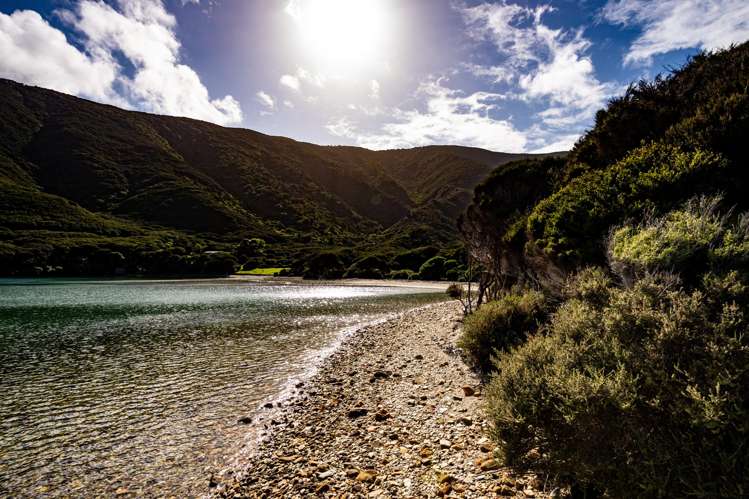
x: 341, y: 34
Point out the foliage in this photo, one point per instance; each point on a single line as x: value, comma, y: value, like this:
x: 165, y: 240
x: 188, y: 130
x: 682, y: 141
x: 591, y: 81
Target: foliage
x: 570, y: 223
x: 642, y: 393
x: 661, y: 143
x: 455, y: 291
x: 500, y: 325
x: 433, y: 269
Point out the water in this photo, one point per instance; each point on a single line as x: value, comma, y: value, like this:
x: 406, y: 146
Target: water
x: 138, y: 385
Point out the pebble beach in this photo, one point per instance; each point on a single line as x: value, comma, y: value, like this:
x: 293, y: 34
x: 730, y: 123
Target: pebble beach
x: 394, y: 412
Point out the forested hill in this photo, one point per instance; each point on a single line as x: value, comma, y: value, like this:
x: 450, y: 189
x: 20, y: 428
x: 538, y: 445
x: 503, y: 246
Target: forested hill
x: 85, y: 187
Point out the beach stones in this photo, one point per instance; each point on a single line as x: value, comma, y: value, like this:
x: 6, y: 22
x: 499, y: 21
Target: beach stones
x: 357, y: 412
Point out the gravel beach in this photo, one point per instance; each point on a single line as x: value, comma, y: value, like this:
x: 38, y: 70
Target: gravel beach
x: 394, y: 412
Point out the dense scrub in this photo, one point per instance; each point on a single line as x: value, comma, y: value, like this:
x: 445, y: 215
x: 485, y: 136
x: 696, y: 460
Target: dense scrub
x: 636, y: 381
x: 660, y: 144
x: 500, y: 325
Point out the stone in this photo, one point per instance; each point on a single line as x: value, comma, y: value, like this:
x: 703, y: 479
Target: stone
x: 426, y: 452
x: 269, y: 405
x: 486, y: 447
x: 244, y: 420
x: 489, y: 464
x: 468, y: 391
x: 323, y: 487
x: 351, y: 473
x: 366, y: 476
x: 357, y: 412
x: 121, y: 491
x: 445, y: 444
x: 504, y: 490
x: 444, y: 477
x: 326, y: 474
x: 465, y: 421
x: 381, y: 415
x: 419, y: 357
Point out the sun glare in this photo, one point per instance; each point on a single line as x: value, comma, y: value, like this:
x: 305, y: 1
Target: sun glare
x: 341, y: 34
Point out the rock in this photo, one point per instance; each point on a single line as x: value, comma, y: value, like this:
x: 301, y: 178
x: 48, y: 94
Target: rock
x: 466, y: 421
x: 323, y: 487
x: 468, y: 391
x: 419, y: 357
x: 489, y: 464
x: 445, y: 444
x: 288, y: 459
x: 325, y: 474
x: 486, y: 447
x: 366, y: 476
x: 269, y: 405
x: 426, y: 452
x: 357, y: 412
x: 444, y: 477
x: 381, y: 415
x: 504, y: 490
x: 244, y: 420
x: 121, y: 491
x: 351, y: 473
x: 444, y: 489
x: 381, y: 375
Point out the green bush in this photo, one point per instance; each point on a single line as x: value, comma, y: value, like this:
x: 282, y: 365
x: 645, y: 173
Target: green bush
x: 404, y: 274
x: 433, y: 269
x: 639, y: 392
x: 569, y: 224
x: 500, y: 325
x: 688, y: 241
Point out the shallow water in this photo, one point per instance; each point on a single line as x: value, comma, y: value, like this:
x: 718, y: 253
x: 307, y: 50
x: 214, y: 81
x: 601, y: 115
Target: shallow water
x: 138, y: 385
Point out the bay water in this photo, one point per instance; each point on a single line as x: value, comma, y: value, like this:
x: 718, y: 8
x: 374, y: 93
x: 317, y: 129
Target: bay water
x: 109, y: 386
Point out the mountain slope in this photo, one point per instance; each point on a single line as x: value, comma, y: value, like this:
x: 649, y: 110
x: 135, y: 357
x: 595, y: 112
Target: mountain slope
x: 137, y: 173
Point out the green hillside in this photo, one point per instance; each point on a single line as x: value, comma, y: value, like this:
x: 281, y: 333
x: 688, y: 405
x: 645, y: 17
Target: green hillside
x: 80, y: 179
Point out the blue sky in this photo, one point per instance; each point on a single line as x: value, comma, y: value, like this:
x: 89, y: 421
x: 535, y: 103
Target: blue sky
x: 504, y: 75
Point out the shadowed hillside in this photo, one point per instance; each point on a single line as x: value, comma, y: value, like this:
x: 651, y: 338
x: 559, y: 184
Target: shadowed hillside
x: 80, y: 178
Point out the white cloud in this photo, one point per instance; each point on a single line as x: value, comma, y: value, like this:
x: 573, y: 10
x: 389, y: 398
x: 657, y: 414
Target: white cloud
x: 290, y: 81
x: 678, y: 24
x: 451, y: 117
x: 294, y: 81
x: 141, y: 31
x: 32, y: 51
x: 265, y: 100
x: 374, y: 89
x: 546, y: 64
x: 288, y: 104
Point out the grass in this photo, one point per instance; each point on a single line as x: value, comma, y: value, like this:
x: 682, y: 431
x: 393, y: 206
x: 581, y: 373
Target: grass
x: 267, y: 271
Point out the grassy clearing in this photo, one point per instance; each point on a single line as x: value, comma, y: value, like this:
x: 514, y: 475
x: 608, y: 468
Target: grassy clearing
x: 266, y: 271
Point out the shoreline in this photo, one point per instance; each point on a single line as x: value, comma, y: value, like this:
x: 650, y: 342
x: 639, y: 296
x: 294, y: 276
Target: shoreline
x: 392, y: 411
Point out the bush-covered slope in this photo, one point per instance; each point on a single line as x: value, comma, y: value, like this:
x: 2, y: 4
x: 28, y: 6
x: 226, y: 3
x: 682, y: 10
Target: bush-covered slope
x: 629, y: 374
x: 661, y: 143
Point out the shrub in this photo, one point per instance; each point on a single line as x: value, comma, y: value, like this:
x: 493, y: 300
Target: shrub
x: 500, y: 325
x: 369, y: 267
x: 403, y: 274
x: 569, y: 224
x: 433, y: 269
x: 643, y: 394
x: 454, y: 291
x: 689, y: 241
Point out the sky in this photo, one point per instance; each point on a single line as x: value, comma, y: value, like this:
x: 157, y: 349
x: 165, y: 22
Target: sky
x: 512, y: 76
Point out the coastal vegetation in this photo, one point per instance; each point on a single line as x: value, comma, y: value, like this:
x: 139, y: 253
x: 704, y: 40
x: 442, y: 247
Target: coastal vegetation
x: 616, y: 339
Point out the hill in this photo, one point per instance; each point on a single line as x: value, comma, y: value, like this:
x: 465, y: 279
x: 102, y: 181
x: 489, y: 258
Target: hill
x: 84, y: 185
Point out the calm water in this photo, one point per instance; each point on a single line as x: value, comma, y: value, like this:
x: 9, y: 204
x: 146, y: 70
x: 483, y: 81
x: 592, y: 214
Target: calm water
x: 138, y: 384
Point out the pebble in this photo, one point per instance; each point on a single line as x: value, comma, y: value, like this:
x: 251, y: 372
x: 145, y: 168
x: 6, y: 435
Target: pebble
x: 392, y: 413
